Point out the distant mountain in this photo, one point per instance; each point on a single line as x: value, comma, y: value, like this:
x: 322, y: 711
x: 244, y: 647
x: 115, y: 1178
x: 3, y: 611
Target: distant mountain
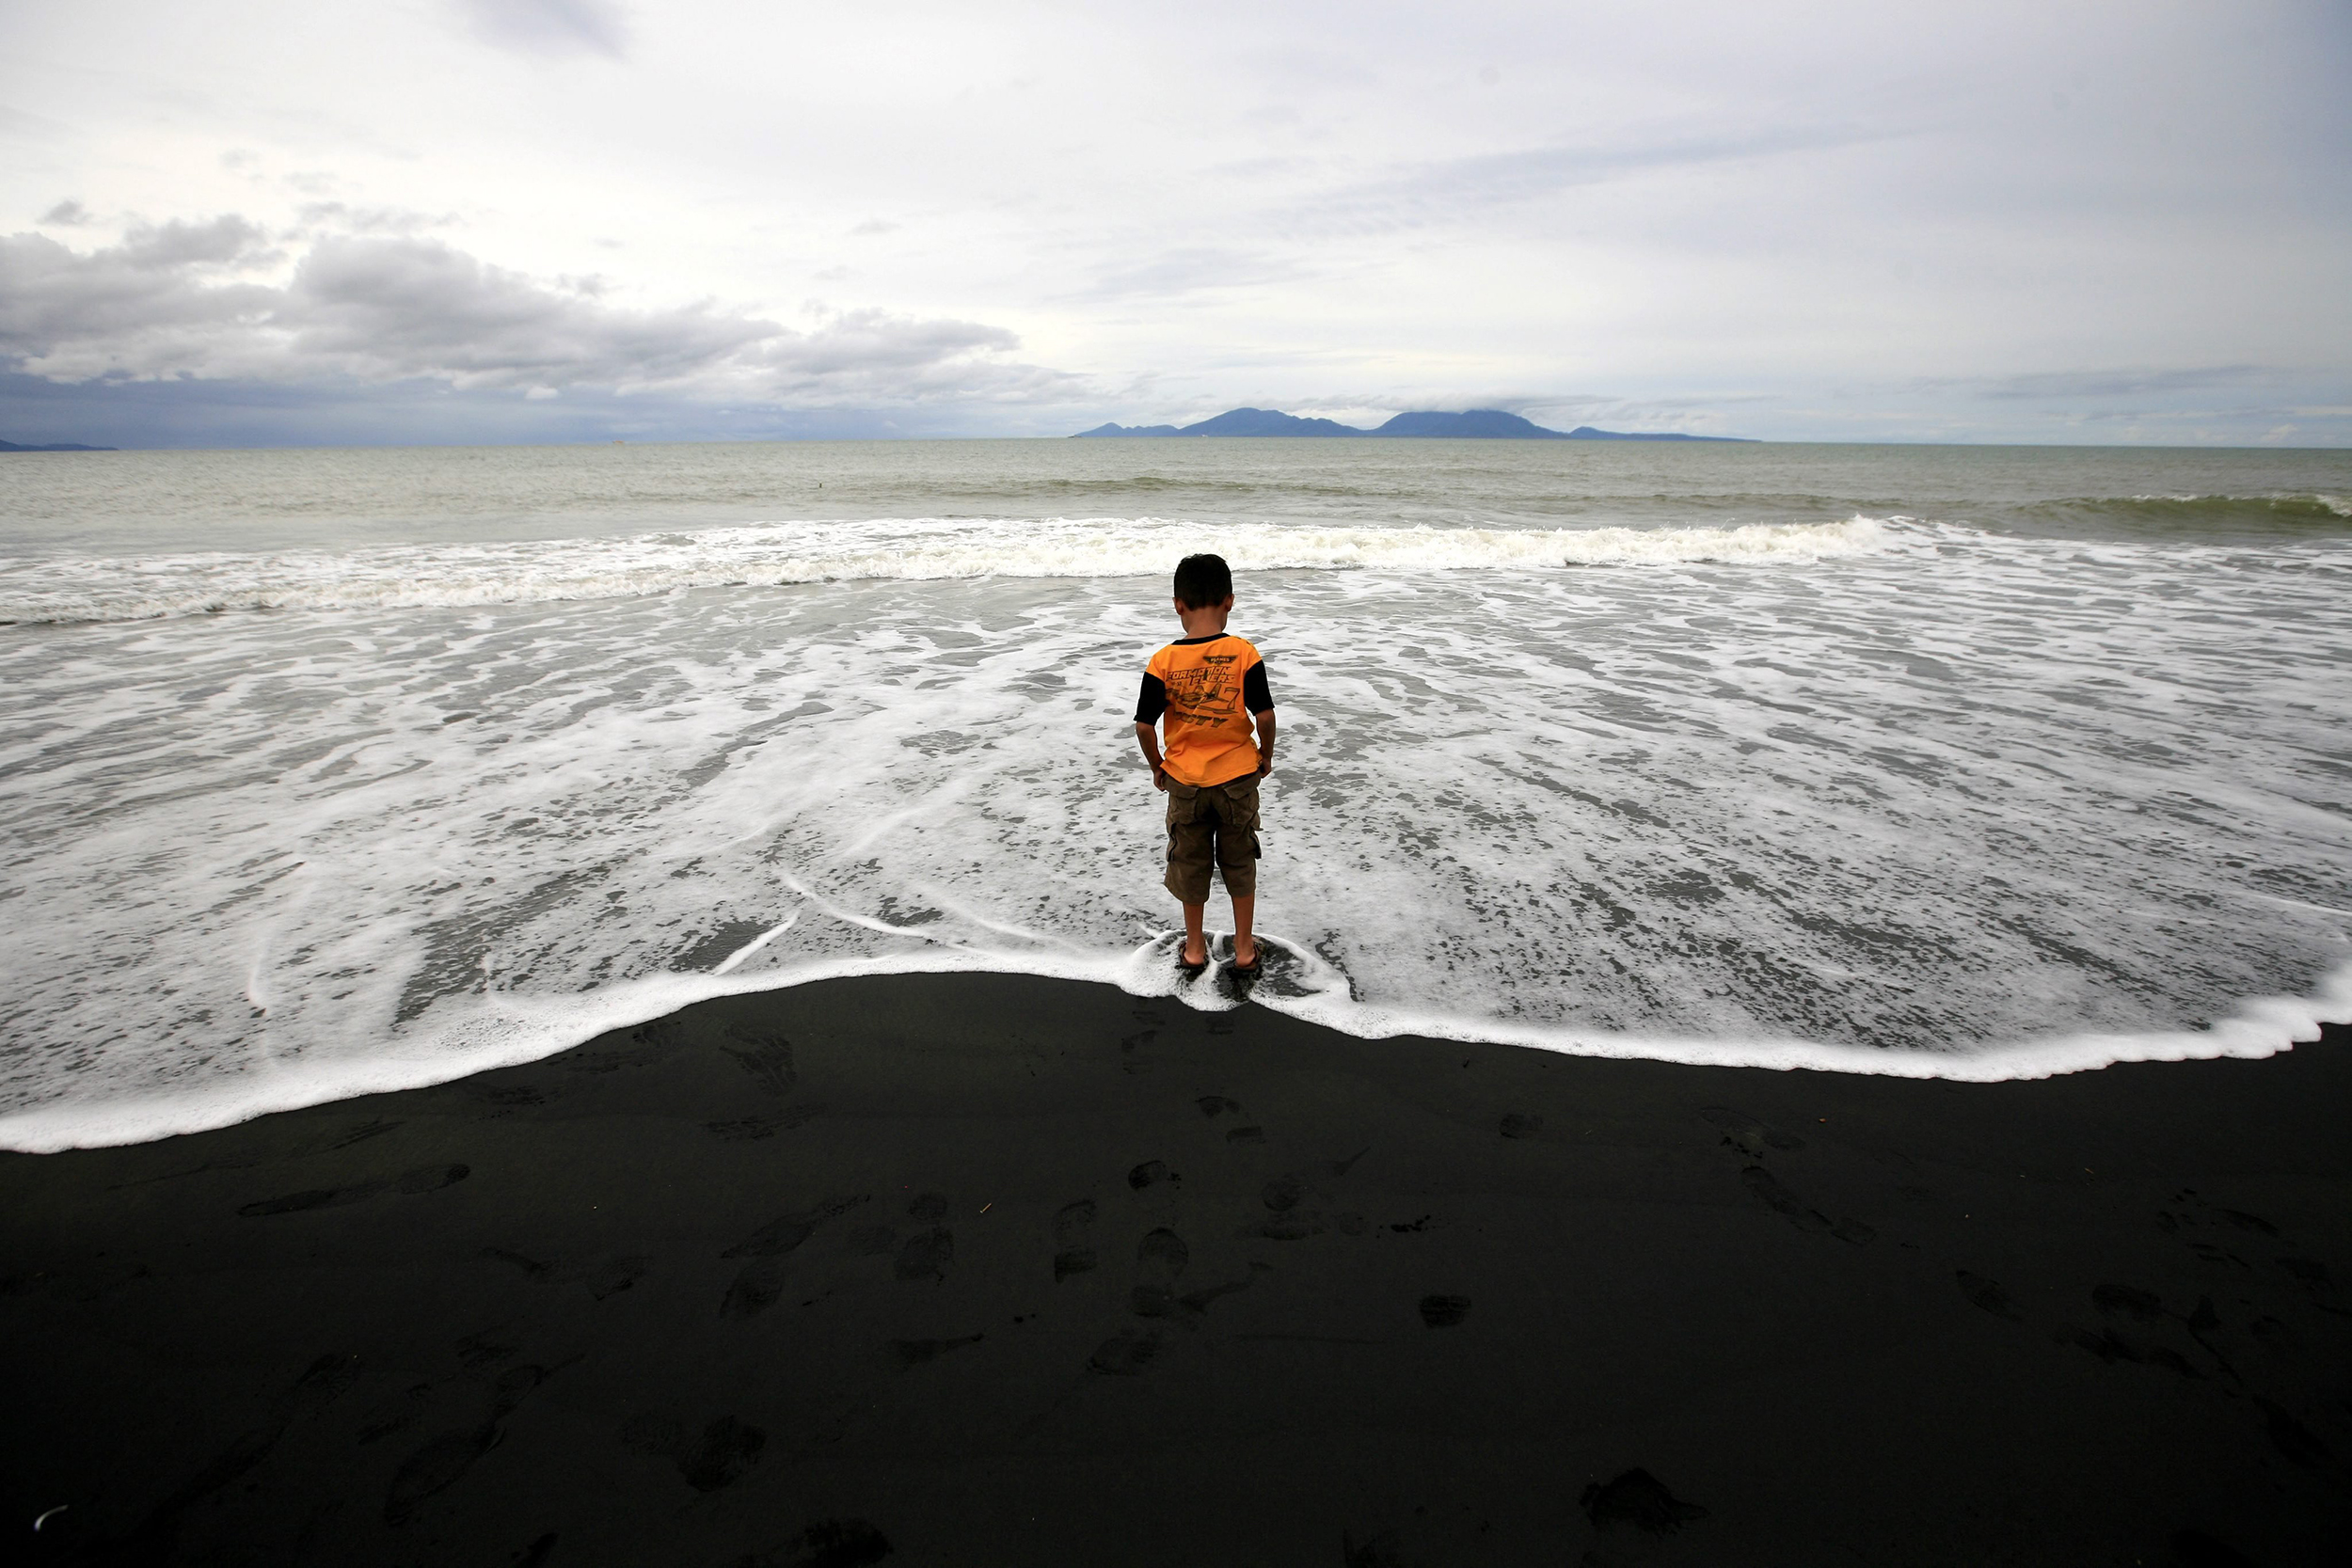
x: 1478, y: 424
x: 1266, y: 422
x: 54, y: 446
x: 1586, y: 433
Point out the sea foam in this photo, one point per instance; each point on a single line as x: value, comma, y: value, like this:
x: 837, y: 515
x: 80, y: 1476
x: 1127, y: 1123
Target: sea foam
x: 1881, y: 796
x: 77, y: 588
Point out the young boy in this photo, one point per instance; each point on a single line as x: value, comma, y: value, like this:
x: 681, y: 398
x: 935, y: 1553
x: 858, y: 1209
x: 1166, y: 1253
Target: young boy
x: 1210, y: 689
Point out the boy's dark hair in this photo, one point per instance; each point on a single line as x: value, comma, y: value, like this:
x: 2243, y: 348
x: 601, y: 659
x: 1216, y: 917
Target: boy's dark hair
x: 1203, y: 580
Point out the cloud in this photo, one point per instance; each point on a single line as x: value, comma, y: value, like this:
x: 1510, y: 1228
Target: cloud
x: 869, y: 358
x: 158, y: 298
x: 226, y: 241
x: 170, y: 303
x: 368, y: 220
x: 389, y: 309
x: 549, y: 27
x: 1448, y: 190
x: 1180, y: 270
x: 2117, y: 384
x: 15, y: 125
x: 65, y: 215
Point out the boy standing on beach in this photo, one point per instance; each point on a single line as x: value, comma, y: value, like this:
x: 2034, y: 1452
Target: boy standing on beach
x: 1210, y: 689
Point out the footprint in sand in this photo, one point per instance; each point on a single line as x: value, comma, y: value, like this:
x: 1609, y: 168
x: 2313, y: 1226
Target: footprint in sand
x: 755, y: 1289
x: 1127, y: 1355
x: 1163, y: 1251
x: 1746, y: 1134
x: 2127, y: 1301
x: 1797, y: 1212
x: 438, y: 1466
x: 531, y: 1268
x: 536, y: 1553
x: 708, y: 1460
x: 787, y: 1231
x: 1069, y: 1225
x: 1637, y: 1501
x: 611, y: 1278
x: 443, y: 1462
x: 753, y: 1129
x: 1214, y: 1105
x: 1161, y: 1257
x: 2110, y: 1346
x: 425, y: 1179
x: 362, y: 1132
x: 926, y: 1255
x: 1986, y: 1297
x: 904, y: 1354
x: 607, y: 1277
x: 828, y: 1544
x: 1150, y: 1174
x: 1444, y: 1311
x: 871, y: 1240
x: 2292, y: 1437
x: 769, y: 1063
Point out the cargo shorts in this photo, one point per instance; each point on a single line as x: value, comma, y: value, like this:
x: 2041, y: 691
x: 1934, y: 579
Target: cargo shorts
x: 1213, y: 825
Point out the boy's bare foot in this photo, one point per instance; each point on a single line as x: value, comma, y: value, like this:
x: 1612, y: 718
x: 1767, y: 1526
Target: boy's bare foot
x: 1194, y: 957
x: 1245, y: 953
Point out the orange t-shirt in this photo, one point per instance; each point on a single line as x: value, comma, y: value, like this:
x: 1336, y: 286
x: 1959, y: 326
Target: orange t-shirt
x: 1201, y: 691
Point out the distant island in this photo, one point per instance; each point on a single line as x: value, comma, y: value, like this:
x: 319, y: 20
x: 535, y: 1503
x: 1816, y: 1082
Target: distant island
x: 1479, y: 424
x: 54, y: 446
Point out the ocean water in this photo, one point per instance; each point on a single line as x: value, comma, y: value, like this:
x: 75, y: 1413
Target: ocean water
x: 324, y: 772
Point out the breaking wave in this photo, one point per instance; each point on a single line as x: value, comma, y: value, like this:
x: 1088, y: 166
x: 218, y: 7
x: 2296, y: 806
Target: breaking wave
x: 153, y: 587
x: 2204, y: 518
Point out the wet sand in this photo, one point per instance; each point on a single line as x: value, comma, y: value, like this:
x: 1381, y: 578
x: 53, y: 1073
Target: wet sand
x: 992, y: 1270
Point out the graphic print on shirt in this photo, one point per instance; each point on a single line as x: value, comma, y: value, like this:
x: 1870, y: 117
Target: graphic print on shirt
x: 1207, y: 693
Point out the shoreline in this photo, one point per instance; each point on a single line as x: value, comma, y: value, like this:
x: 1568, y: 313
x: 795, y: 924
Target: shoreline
x: 2260, y: 1027
x: 985, y: 1267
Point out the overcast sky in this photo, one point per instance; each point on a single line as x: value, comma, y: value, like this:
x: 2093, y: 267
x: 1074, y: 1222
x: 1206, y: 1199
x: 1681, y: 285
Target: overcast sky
x: 274, y: 221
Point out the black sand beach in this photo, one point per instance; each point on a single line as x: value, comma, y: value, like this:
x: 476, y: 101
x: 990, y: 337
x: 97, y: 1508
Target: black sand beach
x: 990, y: 1270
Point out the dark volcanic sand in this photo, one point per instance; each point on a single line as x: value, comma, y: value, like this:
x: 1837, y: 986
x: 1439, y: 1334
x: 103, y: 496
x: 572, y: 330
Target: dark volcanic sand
x: 985, y: 1269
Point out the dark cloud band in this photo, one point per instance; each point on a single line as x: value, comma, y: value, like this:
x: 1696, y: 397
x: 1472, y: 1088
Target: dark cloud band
x: 182, y: 300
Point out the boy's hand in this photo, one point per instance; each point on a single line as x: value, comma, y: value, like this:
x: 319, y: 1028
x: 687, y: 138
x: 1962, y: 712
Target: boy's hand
x: 1159, y: 780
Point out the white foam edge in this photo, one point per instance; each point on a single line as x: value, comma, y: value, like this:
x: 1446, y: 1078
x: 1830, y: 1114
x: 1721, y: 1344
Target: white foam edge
x: 2261, y: 1026
x: 527, y: 1030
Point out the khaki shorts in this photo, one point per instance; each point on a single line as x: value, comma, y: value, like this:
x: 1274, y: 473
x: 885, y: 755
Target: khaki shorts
x: 1213, y: 825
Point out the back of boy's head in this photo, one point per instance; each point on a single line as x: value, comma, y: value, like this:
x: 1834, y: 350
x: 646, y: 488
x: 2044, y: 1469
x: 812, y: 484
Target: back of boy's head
x: 1203, y: 580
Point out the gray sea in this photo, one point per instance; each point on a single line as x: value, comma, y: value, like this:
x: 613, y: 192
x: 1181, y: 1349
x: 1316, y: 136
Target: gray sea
x: 324, y: 772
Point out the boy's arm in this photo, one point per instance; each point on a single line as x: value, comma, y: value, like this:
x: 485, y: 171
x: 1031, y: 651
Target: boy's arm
x: 1257, y: 694
x: 1149, y: 739
x: 1151, y: 701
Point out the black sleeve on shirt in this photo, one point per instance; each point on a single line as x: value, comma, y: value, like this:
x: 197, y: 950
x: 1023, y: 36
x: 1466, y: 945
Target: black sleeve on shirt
x: 1255, y: 694
x: 1154, y: 701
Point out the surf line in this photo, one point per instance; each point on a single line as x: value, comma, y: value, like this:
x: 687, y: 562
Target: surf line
x: 758, y: 943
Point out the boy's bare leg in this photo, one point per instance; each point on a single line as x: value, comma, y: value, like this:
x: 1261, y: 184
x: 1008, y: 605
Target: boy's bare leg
x: 1244, y: 945
x: 1195, y: 944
